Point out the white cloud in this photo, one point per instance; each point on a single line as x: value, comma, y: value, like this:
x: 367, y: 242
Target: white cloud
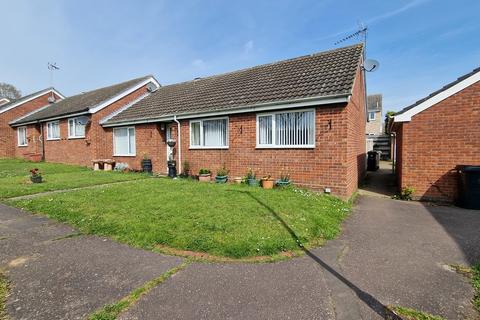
x: 389, y: 14
x: 199, y: 63
x: 248, y: 47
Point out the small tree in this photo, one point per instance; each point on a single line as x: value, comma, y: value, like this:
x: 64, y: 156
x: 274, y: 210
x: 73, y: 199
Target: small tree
x: 9, y: 91
x: 388, y: 120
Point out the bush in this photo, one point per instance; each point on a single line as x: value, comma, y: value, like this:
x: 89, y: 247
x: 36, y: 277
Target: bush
x: 204, y: 171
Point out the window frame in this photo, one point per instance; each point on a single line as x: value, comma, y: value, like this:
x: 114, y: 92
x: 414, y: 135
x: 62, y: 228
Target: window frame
x: 48, y: 130
x: 128, y: 131
x: 202, y: 142
x: 24, y: 129
x: 70, y: 136
x: 374, y: 115
x: 275, y: 146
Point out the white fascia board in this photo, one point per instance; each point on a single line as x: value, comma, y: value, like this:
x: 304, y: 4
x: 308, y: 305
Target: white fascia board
x: 407, y: 115
x: 253, y: 108
x: 70, y: 115
x: 41, y: 93
x: 123, y: 94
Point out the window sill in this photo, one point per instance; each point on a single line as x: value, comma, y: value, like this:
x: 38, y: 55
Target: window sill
x: 285, y: 147
x: 54, y: 139
x: 124, y: 155
x: 22, y: 145
x: 208, y: 148
x: 73, y: 138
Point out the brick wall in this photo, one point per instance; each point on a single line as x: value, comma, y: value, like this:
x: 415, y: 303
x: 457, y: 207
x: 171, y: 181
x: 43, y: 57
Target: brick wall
x: 8, y: 135
x: 81, y: 151
x: 436, y: 141
x: 337, y: 161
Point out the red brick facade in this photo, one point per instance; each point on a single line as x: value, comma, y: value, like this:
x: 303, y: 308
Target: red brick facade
x: 8, y: 135
x: 337, y: 161
x: 436, y: 141
x: 79, y: 151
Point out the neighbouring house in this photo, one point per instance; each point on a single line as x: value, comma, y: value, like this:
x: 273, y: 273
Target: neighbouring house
x: 374, y: 108
x: 4, y: 101
x: 436, y: 135
x: 68, y: 131
x: 304, y: 117
x: 14, y: 109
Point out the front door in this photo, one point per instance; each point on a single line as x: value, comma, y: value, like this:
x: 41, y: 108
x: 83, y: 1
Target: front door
x: 169, y: 136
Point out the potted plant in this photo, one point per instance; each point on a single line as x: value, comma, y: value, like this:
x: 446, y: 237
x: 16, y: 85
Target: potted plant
x: 267, y: 182
x: 238, y: 180
x: 222, y: 175
x: 204, y: 175
x: 251, y: 178
x: 186, y: 169
x: 146, y: 164
x: 35, y: 176
x: 284, y: 180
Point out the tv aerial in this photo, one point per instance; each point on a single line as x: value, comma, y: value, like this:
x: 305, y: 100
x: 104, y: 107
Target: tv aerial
x: 52, y: 67
x: 369, y: 65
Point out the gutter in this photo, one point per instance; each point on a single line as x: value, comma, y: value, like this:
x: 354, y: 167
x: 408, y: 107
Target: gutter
x: 50, y: 119
x: 179, y: 138
x: 340, y: 98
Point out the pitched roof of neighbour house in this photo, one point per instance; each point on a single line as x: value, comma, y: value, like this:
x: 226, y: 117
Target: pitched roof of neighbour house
x: 450, y: 89
x: 4, y: 100
x: 374, y: 102
x: 15, y: 103
x: 321, y: 76
x: 87, y: 102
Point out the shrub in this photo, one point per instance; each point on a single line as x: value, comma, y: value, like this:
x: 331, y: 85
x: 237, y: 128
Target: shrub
x: 204, y: 171
x: 250, y: 174
x: 222, y: 172
x: 405, y: 194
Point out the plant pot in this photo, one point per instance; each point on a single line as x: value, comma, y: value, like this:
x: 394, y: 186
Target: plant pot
x: 221, y: 179
x: 267, y: 184
x: 36, y: 179
x: 147, y: 165
x: 238, y: 180
x: 252, y: 182
x: 281, y: 183
x: 204, y: 177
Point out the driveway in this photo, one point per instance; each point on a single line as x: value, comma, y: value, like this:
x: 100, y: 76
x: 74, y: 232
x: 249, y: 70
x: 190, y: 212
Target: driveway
x: 390, y: 252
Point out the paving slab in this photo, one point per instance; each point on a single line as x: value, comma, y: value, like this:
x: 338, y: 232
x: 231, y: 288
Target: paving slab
x: 53, y: 277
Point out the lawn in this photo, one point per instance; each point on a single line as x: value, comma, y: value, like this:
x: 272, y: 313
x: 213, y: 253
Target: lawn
x: 222, y: 220
x: 15, y: 181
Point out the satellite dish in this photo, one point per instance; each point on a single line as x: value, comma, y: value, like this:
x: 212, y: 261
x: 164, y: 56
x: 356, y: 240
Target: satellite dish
x: 371, y: 65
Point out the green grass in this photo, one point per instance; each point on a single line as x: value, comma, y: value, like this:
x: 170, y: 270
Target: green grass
x: 412, y: 314
x: 3, y: 296
x: 476, y: 285
x: 223, y: 220
x: 15, y: 177
x: 111, y: 311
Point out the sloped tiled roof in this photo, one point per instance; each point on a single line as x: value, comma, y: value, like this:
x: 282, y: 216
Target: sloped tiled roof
x: 24, y: 98
x: 322, y: 74
x: 374, y: 102
x: 446, y: 87
x: 79, y: 103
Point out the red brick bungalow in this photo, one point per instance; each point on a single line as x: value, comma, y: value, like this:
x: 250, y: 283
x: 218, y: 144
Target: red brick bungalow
x: 13, y: 109
x: 437, y: 134
x: 304, y: 117
x: 68, y: 131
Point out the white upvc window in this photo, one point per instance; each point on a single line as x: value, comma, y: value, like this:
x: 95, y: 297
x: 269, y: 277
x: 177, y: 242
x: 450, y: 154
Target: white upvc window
x: 76, y: 128
x: 22, y: 136
x: 292, y: 129
x: 371, y: 115
x: 53, y: 130
x: 124, y: 142
x: 209, y: 133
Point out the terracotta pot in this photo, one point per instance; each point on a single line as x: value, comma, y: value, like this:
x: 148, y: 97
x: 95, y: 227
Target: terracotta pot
x: 267, y: 184
x: 204, y: 177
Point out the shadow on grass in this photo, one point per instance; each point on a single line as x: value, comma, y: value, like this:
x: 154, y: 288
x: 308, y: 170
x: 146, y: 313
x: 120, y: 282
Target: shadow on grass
x: 367, y: 298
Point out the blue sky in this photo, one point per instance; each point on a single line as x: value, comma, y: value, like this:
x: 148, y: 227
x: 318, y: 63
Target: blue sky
x: 421, y: 44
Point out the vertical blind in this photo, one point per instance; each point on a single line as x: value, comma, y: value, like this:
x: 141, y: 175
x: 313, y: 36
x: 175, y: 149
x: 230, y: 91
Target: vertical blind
x: 75, y: 128
x: 209, y: 133
x: 287, y: 129
x: 22, y: 136
x: 53, y: 130
x: 124, y: 141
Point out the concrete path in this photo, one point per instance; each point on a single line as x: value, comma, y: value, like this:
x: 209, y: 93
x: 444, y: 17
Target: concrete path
x: 380, y: 183
x: 390, y: 252
x: 55, y: 275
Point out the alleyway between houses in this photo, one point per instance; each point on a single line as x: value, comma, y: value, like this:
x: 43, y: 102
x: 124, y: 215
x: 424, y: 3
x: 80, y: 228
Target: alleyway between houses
x: 390, y: 253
